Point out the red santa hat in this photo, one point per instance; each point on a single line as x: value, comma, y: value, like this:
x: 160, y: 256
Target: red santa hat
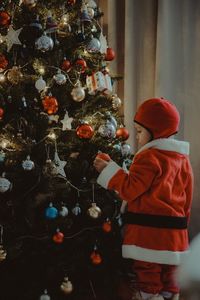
x: 159, y: 116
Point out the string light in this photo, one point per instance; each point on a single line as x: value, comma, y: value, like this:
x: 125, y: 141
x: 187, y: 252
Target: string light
x: 52, y: 136
x: 2, y: 77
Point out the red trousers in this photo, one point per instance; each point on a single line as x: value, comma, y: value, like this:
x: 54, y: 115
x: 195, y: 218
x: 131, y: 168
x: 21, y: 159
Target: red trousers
x: 154, y: 278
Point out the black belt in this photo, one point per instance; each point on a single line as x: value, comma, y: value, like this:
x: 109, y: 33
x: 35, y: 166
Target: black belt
x: 157, y: 221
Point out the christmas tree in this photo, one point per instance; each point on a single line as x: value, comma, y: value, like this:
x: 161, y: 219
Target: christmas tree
x: 60, y: 232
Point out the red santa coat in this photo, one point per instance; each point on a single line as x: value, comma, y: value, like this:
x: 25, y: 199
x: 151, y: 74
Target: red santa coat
x: 159, y: 186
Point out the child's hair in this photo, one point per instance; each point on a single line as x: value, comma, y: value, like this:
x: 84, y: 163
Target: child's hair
x: 159, y: 116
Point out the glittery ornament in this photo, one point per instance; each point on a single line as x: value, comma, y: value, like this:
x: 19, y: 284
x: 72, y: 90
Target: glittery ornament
x: 122, y: 134
x: 93, y: 45
x: 44, y: 43
x: 40, y: 84
x: 1, y: 113
x: 80, y: 65
x: 85, y: 131
x: 60, y: 78
x: 66, y: 286
x: 2, y: 253
x: 110, y: 54
x: 45, y: 296
x: 58, y: 237
x: 95, y: 257
x: 107, y: 130
x: 5, y: 184
x: 3, y: 62
x: 66, y: 65
x: 107, y: 226
x: 14, y: 75
x: 111, y: 119
x: 90, y: 11
x: 76, y: 210
x: 4, y: 18
x: 94, y: 211
x: 116, y: 102
x: 63, y: 211
x: 51, y: 212
x: 71, y: 2
x: 78, y: 93
x: 28, y: 164
x: 125, y: 150
x: 49, y: 169
x: 50, y: 104
x: 2, y: 156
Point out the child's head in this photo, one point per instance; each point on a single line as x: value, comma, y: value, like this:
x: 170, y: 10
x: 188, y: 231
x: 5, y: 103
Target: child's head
x: 159, y: 117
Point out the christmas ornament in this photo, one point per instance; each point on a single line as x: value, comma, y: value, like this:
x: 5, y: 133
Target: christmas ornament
x: 50, y: 104
x: 30, y: 3
x: 99, y: 82
x: 5, y: 184
x: 94, y: 211
x: 122, y: 133
x: 66, y: 286
x: 58, y: 237
x: 60, y: 78
x: 95, y: 257
x: 90, y: 12
x: 78, y: 92
x: 93, y: 45
x: 76, y: 210
x: 116, y: 102
x: 66, y: 122
x: 107, y: 226
x: 1, y: 113
x: 51, y: 212
x: 85, y: 131
x: 28, y: 164
x: 111, y: 119
x: 2, y: 156
x: 84, y: 14
x: 125, y: 150
x: 110, y: 54
x: 71, y: 2
x: 49, y: 168
x: 103, y: 156
x: 4, y: 18
x: 66, y: 65
x: 63, y: 211
x: 14, y: 75
x: 59, y: 164
x: 80, y: 65
x: 12, y: 37
x: 44, y: 43
x: 64, y: 27
x: 91, y: 3
x: 45, y: 296
x: 2, y: 253
x: 3, y: 62
x: 103, y: 43
x: 40, y: 84
x: 53, y: 118
x: 107, y: 130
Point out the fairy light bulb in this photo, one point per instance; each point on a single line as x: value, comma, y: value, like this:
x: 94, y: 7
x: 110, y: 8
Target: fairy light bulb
x: 41, y: 70
x: 2, y: 78
x: 4, y: 144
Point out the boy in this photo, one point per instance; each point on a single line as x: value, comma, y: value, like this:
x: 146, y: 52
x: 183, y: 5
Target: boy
x: 158, y: 191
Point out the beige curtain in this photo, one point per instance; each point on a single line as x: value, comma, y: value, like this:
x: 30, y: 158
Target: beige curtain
x: 157, y: 44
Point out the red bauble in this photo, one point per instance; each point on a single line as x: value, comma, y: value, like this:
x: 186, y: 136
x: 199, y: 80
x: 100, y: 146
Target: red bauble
x: 96, y: 258
x: 85, y: 131
x: 4, y: 18
x: 66, y: 65
x: 110, y: 54
x: 1, y: 113
x: 107, y: 226
x: 122, y: 133
x: 3, y: 62
x: 81, y: 65
x: 71, y: 2
x: 50, y: 104
x: 58, y: 237
x: 103, y: 156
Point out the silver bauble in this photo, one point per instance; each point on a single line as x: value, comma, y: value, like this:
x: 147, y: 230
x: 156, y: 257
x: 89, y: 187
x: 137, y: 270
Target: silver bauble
x: 116, y: 102
x: 94, y: 211
x: 40, y: 84
x: 5, y: 184
x: 28, y: 164
x: 94, y: 45
x: 125, y: 150
x: 107, y: 130
x: 44, y: 43
x: 78, y: 93
x: 60, y: 78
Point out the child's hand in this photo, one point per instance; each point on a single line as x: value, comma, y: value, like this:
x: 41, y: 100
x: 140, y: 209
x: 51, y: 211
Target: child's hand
x: 100, y: 164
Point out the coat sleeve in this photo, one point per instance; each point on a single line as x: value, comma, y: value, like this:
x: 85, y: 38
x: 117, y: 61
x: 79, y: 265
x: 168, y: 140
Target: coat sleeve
x: 130, y: 185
